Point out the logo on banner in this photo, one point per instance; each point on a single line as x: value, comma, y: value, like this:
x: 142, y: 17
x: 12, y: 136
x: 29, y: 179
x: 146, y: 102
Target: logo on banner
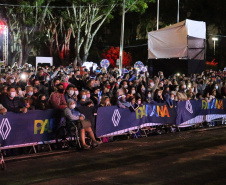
x: 116, y: 117
x: 41, y: 126
x: 157, y: 111
x: 214, y: 104
x: 5, y: 128
x: 188, y: 106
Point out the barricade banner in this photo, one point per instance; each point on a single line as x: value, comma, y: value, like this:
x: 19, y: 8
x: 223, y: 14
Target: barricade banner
x: 34, y: 126
x: 39, y: 126
x: 88, y: 112
x: 114, y: 120
x: 192, y: 112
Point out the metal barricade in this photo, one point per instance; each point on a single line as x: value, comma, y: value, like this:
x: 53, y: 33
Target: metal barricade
x: 2, y: 162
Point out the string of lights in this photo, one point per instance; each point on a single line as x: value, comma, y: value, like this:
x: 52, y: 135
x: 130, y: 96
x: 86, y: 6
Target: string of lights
x: 136, y: 46
x: 60, y: 7
x: 128, y: 46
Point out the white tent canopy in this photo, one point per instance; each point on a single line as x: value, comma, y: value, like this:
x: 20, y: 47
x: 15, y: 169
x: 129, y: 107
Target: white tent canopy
x: 185, y: 39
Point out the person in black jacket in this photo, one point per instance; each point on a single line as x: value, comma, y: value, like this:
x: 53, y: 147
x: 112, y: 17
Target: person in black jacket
x: 13, y: 103
x: 95, y: 96
x: 77, y: 81
x: 158, y: 96
x: 42, y: 103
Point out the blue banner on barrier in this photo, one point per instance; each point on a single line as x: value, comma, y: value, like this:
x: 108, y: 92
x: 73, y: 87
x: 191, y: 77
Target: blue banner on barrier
x: 34, y: 126
x: 39, y: 126
x: 114, y: 120
x: 192, y: 112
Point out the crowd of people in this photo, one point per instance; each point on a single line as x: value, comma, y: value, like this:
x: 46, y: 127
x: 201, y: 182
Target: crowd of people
x: 65, y: 88
x: 24, y: 89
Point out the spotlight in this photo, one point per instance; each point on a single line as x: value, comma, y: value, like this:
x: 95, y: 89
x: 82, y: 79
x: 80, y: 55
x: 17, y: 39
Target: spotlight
x: 23, y: 76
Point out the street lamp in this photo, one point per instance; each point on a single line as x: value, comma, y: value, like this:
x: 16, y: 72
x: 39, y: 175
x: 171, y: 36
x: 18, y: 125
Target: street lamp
x: 214, y: 43
x: 178, y: 11
x: 158, y: 15
x: 122, y: 38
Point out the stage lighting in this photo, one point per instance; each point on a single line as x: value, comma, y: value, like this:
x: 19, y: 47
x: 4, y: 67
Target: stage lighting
x: 178, y: 74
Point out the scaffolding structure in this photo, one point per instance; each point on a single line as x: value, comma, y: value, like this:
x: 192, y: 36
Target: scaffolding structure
x: 5, y: 43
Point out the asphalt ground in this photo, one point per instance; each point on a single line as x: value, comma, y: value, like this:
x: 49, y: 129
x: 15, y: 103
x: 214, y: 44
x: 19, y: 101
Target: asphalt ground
x: 184, y: 158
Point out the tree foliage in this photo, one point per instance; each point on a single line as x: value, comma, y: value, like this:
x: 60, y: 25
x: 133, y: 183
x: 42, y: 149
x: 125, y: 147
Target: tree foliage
x: 25, y: 24
x: 85, y: 19
x: 34, y: 22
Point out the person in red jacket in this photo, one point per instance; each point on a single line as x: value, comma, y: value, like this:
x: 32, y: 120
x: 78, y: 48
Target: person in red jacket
x: 56, y: 99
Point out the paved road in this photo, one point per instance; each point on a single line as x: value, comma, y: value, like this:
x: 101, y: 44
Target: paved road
x: 191, y: 157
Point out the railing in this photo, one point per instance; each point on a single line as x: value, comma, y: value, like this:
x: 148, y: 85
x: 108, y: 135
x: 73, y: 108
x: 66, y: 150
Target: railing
x: 38, y: 127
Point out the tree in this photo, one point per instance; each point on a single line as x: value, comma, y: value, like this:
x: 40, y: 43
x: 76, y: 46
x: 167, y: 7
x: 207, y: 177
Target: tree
x: 25, y: 23
x: 58, y: 36
x: 89, y: 16
x: 87, y: 21
x: 81, y: 21
x: 33, y: 22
